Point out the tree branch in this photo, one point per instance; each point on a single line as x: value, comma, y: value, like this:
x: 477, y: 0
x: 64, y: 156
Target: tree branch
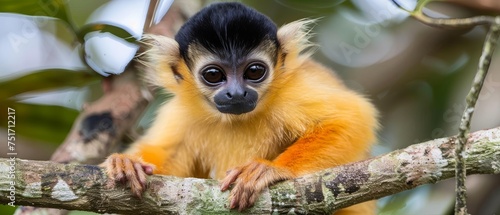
x: 86, y: 187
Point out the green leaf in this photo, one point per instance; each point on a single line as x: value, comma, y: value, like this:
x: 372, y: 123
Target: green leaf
x: 50, y: 8
x: 7, y: 209
x: 115, y: 30
x: 46, y: 80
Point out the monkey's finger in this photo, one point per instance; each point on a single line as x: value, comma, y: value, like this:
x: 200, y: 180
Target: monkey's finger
x: 243, y: 204
x: 241, y: 196
x: 250, y: 200
x: 141, y: 175
x: 117, y: 169
x: 231, y: 176
x: 132, y: 177
x: 234, y: 203
x: 234, y: 197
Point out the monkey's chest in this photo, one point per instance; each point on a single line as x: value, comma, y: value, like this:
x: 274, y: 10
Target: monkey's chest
x: 218, y: 151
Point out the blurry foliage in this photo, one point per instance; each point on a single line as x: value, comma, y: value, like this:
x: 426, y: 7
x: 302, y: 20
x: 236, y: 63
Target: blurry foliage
x: 44, y: 123
x: 417, y: 89
x: 51, y: 8
x: 45, y: 80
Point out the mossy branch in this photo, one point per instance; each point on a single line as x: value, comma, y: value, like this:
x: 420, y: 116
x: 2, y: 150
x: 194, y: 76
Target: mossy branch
x: 86, y: 187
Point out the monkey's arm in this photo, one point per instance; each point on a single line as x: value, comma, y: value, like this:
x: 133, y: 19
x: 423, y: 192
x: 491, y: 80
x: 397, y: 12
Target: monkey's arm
x: 159, y: 151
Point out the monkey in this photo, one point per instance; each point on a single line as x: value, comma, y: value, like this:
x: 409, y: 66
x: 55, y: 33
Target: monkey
x: 250, y: 108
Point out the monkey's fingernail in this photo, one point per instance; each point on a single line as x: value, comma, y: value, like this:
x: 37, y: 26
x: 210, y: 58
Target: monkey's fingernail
x: 138, y: 193
x: 121, y: 179
x: 233, y: 203
x: 223, y: 186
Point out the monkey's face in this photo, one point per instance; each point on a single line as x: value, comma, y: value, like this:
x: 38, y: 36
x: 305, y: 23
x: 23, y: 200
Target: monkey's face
x: 228, y: 54
x: 233, y: 84
x: 230, y: 50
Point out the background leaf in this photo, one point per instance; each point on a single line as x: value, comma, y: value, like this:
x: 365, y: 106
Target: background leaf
x: 45, y: 123
x: 46, y: 80
x: 50, y: 8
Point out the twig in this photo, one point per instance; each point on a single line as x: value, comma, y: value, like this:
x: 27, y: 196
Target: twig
x: 457, y: 22
x: 85, y: 187
x: 484, y: 63
x: 419, y: 14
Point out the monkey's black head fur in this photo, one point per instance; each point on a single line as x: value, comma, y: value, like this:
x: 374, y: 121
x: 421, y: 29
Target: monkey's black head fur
x: 229, y: 30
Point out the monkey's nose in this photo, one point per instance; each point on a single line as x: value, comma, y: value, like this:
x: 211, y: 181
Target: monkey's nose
x: 236, y: 95
x: 236, y: 101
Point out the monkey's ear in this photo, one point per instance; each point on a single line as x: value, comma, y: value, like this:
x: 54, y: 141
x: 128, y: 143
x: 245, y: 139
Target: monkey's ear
x: 294, y: 39
x: 160, y: 57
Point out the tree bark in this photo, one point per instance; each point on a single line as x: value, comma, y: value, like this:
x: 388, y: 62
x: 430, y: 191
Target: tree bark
x: 86, y: 187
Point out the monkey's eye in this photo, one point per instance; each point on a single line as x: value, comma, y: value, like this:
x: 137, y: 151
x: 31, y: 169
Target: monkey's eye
x: 255, y: 72
x: 213, y: 76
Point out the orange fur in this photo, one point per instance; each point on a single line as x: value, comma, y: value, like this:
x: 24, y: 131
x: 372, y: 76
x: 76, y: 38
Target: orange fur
x: 305, y: 121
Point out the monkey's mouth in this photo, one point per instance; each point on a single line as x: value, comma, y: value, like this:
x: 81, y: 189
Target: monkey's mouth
x: 236, y: 108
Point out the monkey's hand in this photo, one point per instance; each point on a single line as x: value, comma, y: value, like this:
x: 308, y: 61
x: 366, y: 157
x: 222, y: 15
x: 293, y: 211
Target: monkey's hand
x: 250, y: 179
x: 128, y: 169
